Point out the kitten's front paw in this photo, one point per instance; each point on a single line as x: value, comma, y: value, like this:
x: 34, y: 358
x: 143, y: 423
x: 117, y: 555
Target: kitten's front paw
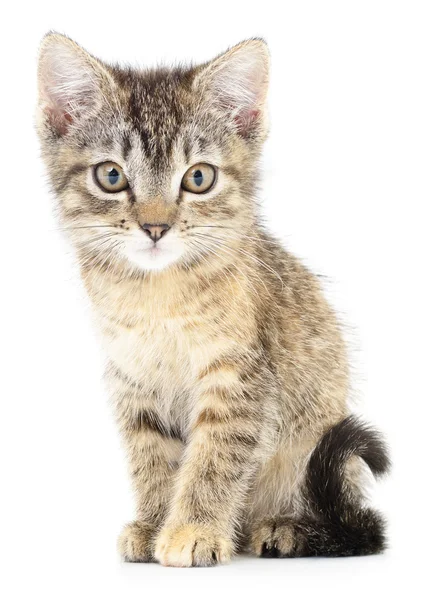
x: 192, y: 545
x: 136, y: 542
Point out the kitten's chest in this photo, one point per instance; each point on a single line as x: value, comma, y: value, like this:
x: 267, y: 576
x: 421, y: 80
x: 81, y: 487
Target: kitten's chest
x: 161, y: 343
x: 151, y: 370
x: 155, y: 354
x: 160, y: 361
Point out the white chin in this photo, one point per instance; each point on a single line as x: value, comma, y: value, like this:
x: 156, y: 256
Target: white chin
x: 152, y: 259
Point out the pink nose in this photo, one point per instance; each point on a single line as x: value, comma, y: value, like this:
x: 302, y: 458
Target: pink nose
x: 155, y: 231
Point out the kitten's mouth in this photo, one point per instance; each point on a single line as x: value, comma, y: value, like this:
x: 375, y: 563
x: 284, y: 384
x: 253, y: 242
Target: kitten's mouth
x: 151, y: 251
x: 154, y: 250
x: 153, y: 256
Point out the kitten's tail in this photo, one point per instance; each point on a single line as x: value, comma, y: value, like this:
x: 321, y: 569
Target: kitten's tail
x: 343, y: 526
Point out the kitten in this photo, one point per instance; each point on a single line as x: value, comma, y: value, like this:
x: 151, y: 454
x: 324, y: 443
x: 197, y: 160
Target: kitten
x: 226, y: 365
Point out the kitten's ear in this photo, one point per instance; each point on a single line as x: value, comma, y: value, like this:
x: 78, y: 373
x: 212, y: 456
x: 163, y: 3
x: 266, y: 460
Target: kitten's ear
x: 70, y: 82
x: 237, y: 83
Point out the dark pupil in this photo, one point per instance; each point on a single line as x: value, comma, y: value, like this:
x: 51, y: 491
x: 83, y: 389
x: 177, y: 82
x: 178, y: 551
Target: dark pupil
x: 198, y: 178
x: 113, y: 176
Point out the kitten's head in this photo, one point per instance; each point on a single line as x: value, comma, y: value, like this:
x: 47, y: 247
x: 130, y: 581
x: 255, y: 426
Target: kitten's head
x: 153, y: 168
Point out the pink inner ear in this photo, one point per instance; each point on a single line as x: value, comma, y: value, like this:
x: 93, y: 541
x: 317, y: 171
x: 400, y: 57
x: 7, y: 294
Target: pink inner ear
x: 246, y: 120
x: 59, y: 120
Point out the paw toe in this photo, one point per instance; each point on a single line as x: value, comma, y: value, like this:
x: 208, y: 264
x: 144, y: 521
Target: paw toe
x: 274, y: 539
x: 192, y: 545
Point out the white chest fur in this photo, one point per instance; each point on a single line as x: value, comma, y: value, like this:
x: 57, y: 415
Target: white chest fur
x: 162, y: 342
x: 157, y: 356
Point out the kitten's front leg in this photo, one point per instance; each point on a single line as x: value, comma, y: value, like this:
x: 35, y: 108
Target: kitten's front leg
x: 154, y: 455
x: 154, y: 452
x: 224, y: 449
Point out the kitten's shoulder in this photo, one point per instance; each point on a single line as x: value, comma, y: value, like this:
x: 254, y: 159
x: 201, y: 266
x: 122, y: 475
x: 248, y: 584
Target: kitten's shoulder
x: 273, y: 252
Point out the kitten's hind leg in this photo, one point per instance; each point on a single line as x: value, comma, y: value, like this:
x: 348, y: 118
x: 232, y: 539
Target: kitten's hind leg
x: 276, y: 538
x: 276, y: 503
x: 362, y: 534
x: 329, y: 516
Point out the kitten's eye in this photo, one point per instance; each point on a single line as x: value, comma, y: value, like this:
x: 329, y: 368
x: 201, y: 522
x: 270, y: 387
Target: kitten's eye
x: 199, y: 179
x: 110, y: 177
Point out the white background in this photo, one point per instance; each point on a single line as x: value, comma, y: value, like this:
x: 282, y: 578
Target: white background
x: 343, y: 188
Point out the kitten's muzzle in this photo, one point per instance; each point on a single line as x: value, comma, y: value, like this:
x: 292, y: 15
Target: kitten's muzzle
x: 155, y: 230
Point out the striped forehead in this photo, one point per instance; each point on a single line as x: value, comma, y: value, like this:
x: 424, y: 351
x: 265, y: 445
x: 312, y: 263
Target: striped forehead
x: 156, y: 113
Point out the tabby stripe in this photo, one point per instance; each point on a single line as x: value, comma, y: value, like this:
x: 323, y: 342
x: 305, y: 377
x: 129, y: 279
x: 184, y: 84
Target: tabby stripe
x: 116, y: 372
x: 67, y: 179
x: 148, y: 420
x: 210, y: 416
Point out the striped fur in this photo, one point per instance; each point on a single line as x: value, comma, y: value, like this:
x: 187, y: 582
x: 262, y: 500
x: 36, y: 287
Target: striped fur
x: 226, y: 365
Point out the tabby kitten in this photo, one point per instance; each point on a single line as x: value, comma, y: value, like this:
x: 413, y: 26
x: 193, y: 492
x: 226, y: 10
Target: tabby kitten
x: 226, y: 365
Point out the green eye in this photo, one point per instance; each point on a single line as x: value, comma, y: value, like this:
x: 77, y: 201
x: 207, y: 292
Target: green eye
x: 110, y: 177
x: 199, y: 179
